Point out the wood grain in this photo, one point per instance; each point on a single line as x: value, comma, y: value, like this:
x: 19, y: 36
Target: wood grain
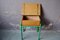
x: 31, y: 9
x: 30, y: 23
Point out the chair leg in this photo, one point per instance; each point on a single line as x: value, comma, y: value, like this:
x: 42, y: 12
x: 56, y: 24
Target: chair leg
x: 21, y: 33
x: 39, y: 33
x: 24, y: 29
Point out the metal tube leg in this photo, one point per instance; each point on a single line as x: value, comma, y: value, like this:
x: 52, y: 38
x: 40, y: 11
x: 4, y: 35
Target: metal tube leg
x: 21, y: 33
x: 39, y: 34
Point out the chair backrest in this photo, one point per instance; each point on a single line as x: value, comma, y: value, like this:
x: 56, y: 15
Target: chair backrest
x: 31, y: 9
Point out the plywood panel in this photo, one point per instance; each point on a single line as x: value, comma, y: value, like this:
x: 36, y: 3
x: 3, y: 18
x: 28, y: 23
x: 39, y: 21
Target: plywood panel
x: 36, y: 18
x: 31, y: 9
x: 30, y: 23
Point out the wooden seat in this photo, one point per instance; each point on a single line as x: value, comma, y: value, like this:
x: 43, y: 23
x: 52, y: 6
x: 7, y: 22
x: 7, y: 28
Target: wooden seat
x: 31, y: 21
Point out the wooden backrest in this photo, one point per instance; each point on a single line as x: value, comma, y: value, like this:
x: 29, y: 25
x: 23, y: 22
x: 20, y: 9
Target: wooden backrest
x: 31, y: 9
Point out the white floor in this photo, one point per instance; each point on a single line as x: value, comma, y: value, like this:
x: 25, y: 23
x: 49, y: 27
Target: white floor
x: 28, y: 35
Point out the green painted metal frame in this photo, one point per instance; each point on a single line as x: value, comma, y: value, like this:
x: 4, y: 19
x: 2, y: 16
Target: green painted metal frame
x: 38, y: 30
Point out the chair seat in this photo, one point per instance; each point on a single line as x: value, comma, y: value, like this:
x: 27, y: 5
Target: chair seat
x: 30, y: 23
